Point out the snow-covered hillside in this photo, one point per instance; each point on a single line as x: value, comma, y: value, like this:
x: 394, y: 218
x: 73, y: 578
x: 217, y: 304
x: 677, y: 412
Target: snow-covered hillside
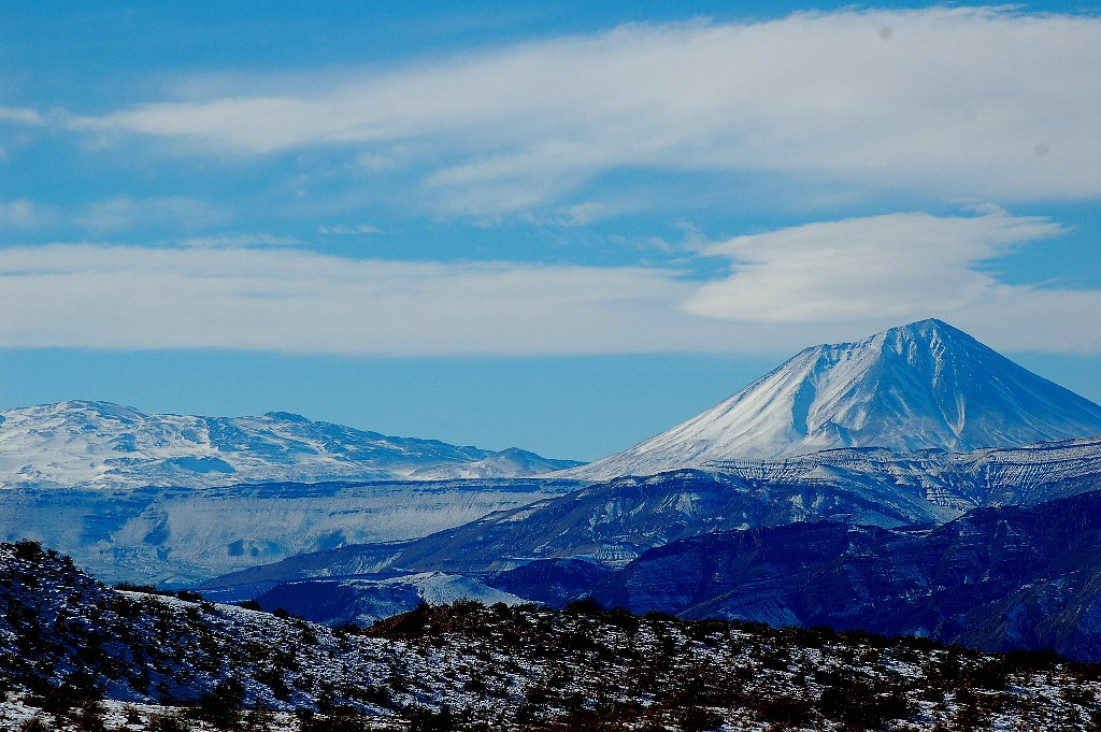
x: 67, y: 641
x: 923, y: 385
x: 97, y: 444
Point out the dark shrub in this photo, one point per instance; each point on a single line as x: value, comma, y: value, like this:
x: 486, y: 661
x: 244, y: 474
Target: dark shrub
x: 342, y: 720
x: 27, y: 549
x: 425, y: 720
x: 786, y: 710
x: 1024, y: 660
x: 132, y: 587
x: 700, y: 719
x: 221, y: 705
x: 624, y: 620
x: 859, y: 706
x: 657, y: 615
x: 91, y: 718
x: 587, y: 606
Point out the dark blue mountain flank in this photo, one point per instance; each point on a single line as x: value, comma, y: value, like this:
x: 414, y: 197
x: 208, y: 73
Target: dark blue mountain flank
x: 997, y: 578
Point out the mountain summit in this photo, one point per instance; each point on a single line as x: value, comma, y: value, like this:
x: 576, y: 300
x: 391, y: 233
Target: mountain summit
x: 917, y: 386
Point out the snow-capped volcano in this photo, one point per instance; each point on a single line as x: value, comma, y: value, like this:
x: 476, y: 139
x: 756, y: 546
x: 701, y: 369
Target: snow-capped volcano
x: 922, y: 385
x: 98, y: 444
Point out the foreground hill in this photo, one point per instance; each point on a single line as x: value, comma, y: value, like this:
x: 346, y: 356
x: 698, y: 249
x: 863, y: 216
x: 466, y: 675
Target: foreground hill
x: 102, y: 445
x: 74, y: 651
x: 919, y: 386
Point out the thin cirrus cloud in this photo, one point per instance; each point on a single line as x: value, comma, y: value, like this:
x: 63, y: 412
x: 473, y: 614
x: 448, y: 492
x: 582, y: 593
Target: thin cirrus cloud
x: 119, y: 213
x: 20, y: 115
x: 296, y: 300
x: 984, y: 102
x: 357, y: 230
x: 124, y: 212
x: 25, y: 214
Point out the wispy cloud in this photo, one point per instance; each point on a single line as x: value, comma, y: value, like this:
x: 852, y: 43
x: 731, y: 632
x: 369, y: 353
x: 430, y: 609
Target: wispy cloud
x: 25, y: 214
x: 20, y: 115
x: 985, y: 102
x: 237, y: 241
x: 123, y: 212
x: 357, y: 230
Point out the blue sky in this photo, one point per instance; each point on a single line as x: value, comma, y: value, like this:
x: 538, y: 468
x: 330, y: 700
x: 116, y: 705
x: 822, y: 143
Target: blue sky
x: 564, y: 228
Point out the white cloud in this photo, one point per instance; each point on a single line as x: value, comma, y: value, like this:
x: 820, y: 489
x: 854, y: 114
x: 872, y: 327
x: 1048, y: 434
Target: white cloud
x: 897, y: 268
x: 123, y: 212
x: 899, y: 265
x: 984, y: 102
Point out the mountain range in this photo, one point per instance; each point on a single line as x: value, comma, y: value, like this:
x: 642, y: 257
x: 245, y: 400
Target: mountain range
x: 86, y: 444
x: 916, y: 469
x: 996, y: 578
x: 892, y: 446
x: 176, y: 499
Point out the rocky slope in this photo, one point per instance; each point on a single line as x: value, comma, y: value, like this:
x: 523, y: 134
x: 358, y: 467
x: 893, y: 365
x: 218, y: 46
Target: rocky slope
x: 74, y: 650
x: 918, y: 386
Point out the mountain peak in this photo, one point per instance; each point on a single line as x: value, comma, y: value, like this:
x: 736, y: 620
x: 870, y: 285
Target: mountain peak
x: 930, y: 330
x: 918, y: 386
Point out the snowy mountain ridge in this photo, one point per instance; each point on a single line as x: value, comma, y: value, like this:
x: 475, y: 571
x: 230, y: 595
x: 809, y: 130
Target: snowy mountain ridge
x: 93, y: 444
x: 925, y: 385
